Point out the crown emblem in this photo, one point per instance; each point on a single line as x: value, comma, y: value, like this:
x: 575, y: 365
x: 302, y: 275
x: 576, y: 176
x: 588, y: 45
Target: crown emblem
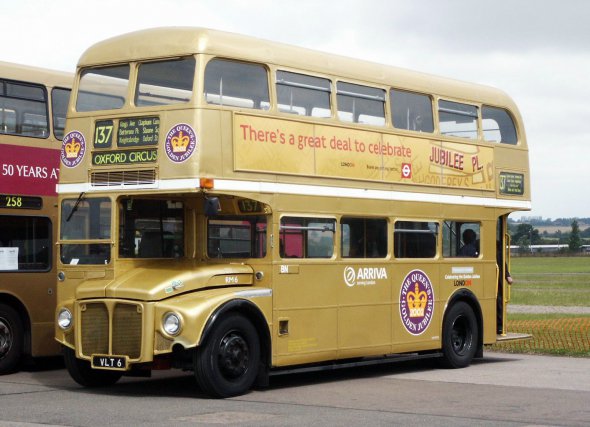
x: 72, y: 149
x: 417, y: 302
x: 180, y: 143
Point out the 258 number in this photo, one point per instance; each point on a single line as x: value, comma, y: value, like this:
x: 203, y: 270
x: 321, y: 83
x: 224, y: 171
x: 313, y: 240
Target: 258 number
x: 13, y: 202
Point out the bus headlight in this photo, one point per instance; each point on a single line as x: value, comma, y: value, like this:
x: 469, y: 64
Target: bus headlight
x: 64, y: 318
x: 171, y: 323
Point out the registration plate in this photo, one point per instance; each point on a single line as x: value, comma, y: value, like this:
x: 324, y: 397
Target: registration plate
x: 109, y: 362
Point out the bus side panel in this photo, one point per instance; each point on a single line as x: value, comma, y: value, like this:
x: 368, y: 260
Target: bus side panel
x: 418, y: 303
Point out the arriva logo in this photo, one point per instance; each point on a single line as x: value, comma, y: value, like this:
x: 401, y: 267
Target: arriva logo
x: 364, y: 276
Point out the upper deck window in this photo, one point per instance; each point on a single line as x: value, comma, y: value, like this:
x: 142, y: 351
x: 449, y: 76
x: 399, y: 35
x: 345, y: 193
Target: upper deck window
x: 361, y: 104
x: 59, y: 105
x: 23, y: 109
x: 498, y: 125
x: 165, y: 82
x: 456, y: 119
x: 303, y: 95
x: 236, y: 84
x: 102, y: 88
x: 411, y: 111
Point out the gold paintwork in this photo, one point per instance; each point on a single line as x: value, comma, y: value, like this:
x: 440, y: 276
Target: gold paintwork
x: 35, y: 292
x: 327, y: 319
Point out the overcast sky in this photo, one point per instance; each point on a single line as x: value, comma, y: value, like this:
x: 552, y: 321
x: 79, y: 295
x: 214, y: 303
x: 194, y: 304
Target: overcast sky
x: 538, y: 51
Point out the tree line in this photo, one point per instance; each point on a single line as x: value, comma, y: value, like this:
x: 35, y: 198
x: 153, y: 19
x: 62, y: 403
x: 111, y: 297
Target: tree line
x: 525, y: 234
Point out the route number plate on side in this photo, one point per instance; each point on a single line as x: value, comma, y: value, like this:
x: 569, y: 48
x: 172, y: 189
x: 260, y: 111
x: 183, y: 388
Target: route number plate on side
x: 109, y: 362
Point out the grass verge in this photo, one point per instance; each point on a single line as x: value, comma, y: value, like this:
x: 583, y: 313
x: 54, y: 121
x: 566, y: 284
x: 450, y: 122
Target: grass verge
x: 558, y: 334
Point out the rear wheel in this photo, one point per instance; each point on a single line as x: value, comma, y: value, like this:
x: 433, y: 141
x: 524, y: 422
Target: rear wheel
x: 226, y: 364
x: 460, y: 336
x: 11, y: 339
x: 83, y: 374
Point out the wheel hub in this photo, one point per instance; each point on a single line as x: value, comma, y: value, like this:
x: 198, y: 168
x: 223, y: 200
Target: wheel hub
x: 233, y: 356
x: 459, y: 336
x: 5, y: 338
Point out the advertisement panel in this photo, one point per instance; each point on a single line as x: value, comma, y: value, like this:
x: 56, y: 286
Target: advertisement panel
x: 290, y: 147
x: 28, y: 170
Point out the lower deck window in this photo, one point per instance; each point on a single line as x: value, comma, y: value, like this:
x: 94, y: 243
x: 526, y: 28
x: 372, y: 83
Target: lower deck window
x: 25, y: 243
x: 87, y: 219
x: 364, y: 238
x: 151, y: 228
x: 236, y: 237
x: 307, y: 237
x: 461, y: 239
x: 415, y: 239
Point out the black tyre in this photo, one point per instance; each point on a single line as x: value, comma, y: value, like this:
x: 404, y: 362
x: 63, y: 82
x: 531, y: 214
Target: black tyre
x: 460, y: 336
x: 83, y: 374
x: 11, y: 339
x: 226, y: 364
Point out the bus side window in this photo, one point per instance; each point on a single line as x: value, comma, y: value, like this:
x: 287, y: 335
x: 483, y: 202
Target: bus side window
x: 236, y: 237
x: 360, y: 104
x: 23, y: 110
x: 236, y: 84
x: 461, y: 239
x: 307, y: 237
x: 411, y: 111
x: 31, y: 237
x: 414, y: 239
x: 363, y: 238
x: 498, y: 125
x: 456, y: 119
x: 303, y: 95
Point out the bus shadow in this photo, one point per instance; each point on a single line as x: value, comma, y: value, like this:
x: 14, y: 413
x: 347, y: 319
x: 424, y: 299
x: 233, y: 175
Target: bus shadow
x: 39, y: 364
x: 184, y: 385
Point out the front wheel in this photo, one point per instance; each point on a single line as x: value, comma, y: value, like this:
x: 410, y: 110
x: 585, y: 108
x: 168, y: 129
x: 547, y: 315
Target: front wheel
x: 11, y: 339
x: 83, y: 374
x: 226, y: 364
x: 460, y: 336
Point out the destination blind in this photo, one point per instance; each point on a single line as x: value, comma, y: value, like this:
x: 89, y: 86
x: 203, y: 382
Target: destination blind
x: 12, y: 201
x: 131, y: 132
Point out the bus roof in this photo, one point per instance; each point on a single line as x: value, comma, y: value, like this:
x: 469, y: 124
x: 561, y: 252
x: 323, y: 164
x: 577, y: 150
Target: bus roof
x: 47, y: 77
x: 182, y: 41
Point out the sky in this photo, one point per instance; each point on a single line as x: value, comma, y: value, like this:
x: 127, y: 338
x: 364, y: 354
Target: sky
x: 538, y: 51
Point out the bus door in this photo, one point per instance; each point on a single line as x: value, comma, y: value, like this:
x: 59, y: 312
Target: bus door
x: 504, y: 278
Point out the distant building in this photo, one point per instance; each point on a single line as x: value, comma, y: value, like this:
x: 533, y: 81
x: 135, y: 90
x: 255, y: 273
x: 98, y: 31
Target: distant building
x: 545, y: 249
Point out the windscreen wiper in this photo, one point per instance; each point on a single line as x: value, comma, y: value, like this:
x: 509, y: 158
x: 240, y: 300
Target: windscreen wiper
x: 75, y: 208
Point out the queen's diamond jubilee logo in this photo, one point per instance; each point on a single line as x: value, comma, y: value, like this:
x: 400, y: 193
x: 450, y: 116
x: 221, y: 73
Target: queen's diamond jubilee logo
x: 73, y: 148
x: 181, y: 142
x: 416, y: 302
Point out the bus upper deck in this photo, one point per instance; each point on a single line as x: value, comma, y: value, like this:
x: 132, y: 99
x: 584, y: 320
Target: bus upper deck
x: 286, y: 115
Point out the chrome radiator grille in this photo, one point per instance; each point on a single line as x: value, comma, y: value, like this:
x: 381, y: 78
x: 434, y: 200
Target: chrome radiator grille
x: 115, y: 330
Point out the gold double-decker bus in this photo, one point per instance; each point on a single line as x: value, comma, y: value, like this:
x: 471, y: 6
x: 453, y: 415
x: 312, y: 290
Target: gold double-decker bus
x: 241, y: 208
x: 33, y: 104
